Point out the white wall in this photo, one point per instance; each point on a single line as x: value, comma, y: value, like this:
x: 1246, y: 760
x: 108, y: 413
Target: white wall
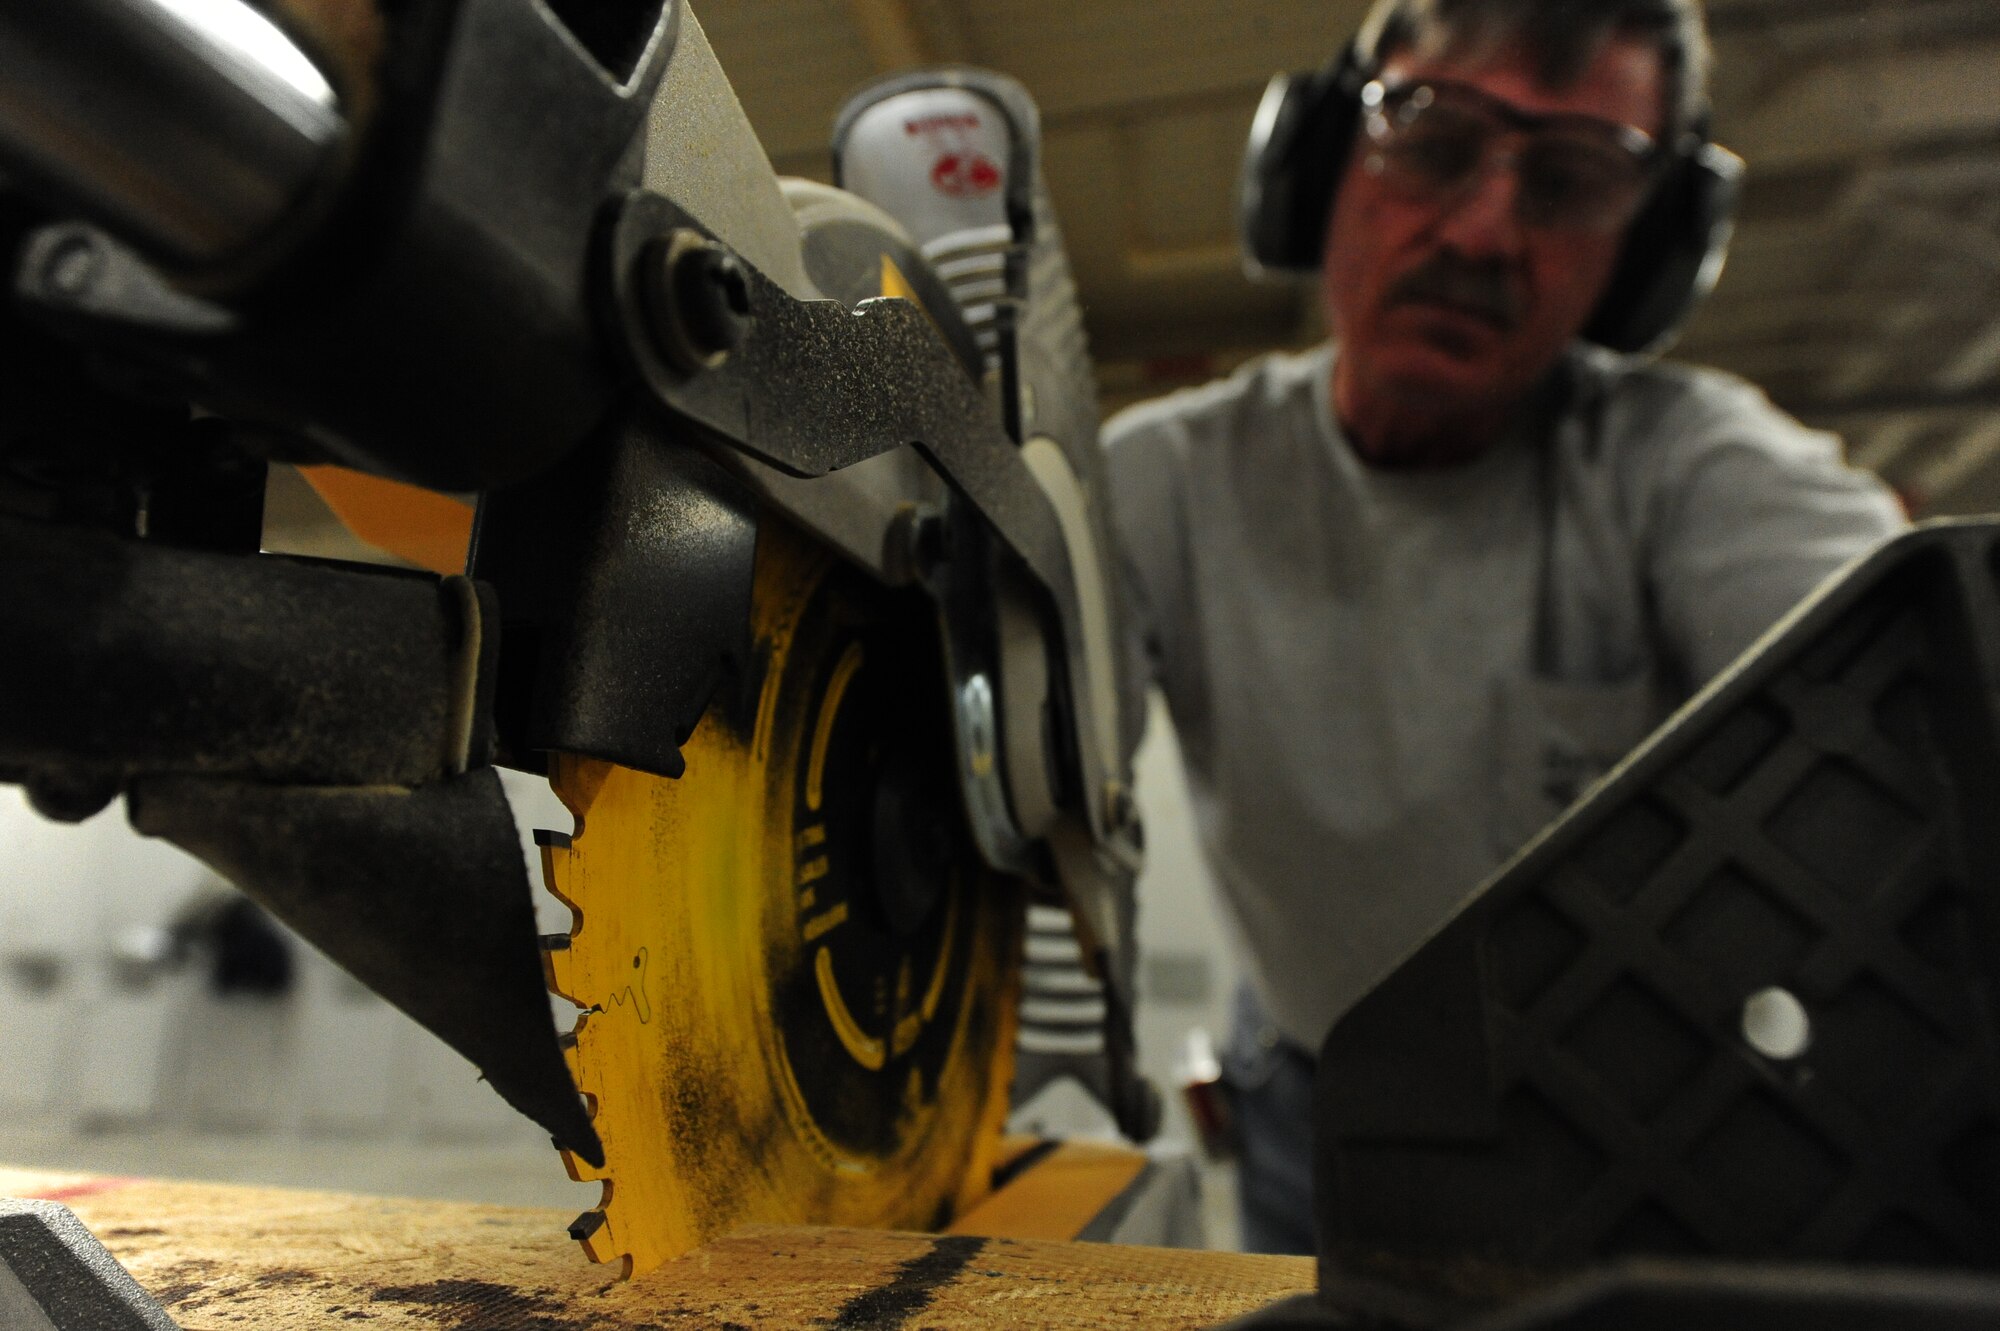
x: 90, y: 1043
x: 76, y: 1035
x: 1187, y: 969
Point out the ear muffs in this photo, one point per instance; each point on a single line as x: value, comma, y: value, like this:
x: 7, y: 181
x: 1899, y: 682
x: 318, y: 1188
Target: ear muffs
x: 1304, y: 132
x: 1673, y: 255
x: 1299, y: 144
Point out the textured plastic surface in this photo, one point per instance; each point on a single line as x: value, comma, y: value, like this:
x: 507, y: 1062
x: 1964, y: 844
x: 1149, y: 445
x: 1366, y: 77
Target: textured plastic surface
x: 55, y: 1276
x: 1670, y: 1296
x: 1562, y: 1075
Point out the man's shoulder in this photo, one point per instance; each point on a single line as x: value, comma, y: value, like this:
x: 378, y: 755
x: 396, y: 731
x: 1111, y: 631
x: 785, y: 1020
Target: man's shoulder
x: 1676, y: 399
x: 1262, y: 389
x: 1660, y: 417
x: 1705, y: 450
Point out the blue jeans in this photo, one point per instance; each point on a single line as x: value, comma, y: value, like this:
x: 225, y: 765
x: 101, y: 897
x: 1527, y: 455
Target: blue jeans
x: 1270, y: 1082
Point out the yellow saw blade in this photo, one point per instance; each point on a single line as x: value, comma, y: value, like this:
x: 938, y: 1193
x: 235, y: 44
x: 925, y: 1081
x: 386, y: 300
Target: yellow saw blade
x: 798, y: 981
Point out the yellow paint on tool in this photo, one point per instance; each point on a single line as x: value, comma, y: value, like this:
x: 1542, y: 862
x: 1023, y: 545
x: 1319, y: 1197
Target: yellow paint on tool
x: 705, y: 1123
x: 429, y: 529
x: 820, y: 926
x: 895, y: 284
x: 843, y: 675
x: 935, y: 991
x: 911, y: 1024
x: 860, y: 1046
x: 1057, y: 1196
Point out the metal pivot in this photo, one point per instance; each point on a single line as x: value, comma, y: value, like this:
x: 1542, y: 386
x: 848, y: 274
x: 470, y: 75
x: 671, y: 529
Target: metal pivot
x: 696, y: 298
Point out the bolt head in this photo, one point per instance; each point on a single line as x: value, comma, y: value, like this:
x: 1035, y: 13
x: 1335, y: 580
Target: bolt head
x: 73, y: 266
x: 711, y: 293
x: 930, y: 543
x: 1120, y: 809
x: 696, y: 299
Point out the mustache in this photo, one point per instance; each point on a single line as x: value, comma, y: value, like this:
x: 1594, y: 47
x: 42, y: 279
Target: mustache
x: 1481, y: 288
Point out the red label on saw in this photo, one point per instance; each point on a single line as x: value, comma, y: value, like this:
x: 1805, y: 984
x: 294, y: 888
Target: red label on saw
x: 965, y: 174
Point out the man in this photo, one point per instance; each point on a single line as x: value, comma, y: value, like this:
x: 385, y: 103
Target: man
x: 1408, y: 593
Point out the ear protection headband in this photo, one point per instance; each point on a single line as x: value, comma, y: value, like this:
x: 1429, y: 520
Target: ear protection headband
x: 1305, y: 130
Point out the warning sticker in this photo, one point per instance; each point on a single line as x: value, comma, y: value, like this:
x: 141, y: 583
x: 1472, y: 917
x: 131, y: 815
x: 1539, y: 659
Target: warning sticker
x: 965, y: 174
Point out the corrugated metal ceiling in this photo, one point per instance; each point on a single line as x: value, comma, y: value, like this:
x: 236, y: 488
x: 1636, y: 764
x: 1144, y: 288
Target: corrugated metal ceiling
x: 1864, y: 290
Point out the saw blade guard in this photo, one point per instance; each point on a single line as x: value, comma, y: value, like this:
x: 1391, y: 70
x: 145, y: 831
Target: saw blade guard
x: 953, y: 154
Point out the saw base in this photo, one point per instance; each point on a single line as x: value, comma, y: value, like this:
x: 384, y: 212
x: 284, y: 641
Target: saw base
x: 219, y: 1258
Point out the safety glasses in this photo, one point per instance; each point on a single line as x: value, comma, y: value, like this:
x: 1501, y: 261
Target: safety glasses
x: 1436, y: 142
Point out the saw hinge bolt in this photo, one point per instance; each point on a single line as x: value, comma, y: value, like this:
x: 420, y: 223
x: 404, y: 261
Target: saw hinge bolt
x: 1121, y: 811
x: 74, y: 266
x: 696, y: 294
x: 930, y: 542
x: 917, y: 543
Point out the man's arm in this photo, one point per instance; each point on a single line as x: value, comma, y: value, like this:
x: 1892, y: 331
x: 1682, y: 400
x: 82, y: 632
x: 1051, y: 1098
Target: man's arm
x: 1750, y: 512
x: 1145, y: 472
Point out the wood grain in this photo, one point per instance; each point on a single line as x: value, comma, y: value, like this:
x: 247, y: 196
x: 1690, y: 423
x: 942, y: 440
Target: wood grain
x: 1058, y: 1196
x: 223, y: 1258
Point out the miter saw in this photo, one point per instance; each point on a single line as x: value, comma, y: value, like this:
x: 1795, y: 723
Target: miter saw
x: 789, y: 567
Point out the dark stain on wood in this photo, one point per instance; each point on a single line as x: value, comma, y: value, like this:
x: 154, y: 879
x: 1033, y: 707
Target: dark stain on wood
x: 280, y: 1278
x: 911, y: 1289
x: 168, y: 1296
x: 485, y: 1305
x: 181, y: 1282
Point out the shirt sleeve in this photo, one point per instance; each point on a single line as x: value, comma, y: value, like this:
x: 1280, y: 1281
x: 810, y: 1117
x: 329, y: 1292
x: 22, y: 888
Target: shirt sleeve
x: 1752, y: 511
x: 1145, y: 473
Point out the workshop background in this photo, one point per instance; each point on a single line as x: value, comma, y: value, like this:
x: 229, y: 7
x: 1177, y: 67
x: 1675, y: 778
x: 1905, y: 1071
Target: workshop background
x: 1863, y: 293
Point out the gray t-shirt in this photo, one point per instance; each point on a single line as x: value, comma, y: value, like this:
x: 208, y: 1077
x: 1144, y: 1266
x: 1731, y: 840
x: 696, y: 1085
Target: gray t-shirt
x: 1385, y: 682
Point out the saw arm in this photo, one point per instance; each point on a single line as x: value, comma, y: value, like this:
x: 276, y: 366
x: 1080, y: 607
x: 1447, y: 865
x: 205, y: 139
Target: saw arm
x: 530, y: 250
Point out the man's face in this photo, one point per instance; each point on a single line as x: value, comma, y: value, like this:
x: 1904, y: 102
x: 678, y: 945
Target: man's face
x: 1460, y: 305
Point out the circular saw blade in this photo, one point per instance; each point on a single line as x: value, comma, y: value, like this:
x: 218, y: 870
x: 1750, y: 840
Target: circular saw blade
x: 797, y: 979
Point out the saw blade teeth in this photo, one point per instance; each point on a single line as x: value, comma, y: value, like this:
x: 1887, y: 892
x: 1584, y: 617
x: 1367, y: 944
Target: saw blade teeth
x: 596, y: 1248
x: 573, y: 1058
x: 566, y: 878
x: 560, y: 878
x: 567, y: 1042
x: 558, y: 874
x: 582, y: 1171
x: 608, y: 1244
x: 599, y: 1232
x: 594, y: 1231
x: 558, y: 973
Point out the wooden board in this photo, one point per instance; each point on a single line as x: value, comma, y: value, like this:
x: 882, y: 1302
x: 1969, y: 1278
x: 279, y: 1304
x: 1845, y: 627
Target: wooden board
x: 223, y: 1258
x: 1058, y: 1195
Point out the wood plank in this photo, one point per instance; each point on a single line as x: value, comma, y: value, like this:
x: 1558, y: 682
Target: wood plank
x: 1058, y: 1196
x: 220, y: 1258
